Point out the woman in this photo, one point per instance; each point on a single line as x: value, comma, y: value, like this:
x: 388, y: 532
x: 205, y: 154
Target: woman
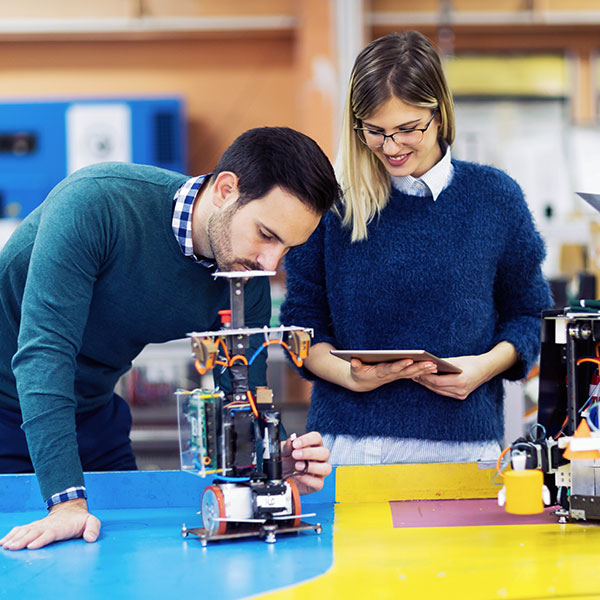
x: 425, y: 252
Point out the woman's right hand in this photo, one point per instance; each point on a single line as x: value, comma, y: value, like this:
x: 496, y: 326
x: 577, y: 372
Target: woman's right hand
x: 358, y: 376
x: 364, y: 377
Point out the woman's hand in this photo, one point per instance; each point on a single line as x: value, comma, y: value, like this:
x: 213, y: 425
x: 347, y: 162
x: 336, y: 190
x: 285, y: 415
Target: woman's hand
x: 366, y: 377
x: 358, y: 376
x: 476, y: 370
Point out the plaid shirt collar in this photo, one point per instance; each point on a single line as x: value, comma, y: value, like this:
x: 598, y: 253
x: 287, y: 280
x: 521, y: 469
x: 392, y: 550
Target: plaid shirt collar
x: 183, y: 201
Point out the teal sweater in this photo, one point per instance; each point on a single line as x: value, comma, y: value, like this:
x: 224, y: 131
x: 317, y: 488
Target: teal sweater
x: 87, y: 280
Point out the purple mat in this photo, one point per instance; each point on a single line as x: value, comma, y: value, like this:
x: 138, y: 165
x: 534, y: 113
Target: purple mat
x: 461, y: 513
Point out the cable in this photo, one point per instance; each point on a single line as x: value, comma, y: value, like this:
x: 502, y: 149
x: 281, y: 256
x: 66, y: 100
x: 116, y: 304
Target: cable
x: 541, y: 437
x: 297, y: 361
x: 593, y: 423
x: 252, y: 404
x: 202, y: 370
x: 498, y: 471
x: 237, y: 357
x: 221, y: 341
x: 561, y: 432
x: 588, y: 359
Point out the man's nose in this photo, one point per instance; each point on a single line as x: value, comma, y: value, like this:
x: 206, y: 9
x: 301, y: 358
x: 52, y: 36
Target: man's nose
x: 269, y: 258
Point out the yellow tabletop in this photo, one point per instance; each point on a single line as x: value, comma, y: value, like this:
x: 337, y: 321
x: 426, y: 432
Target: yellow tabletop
x: 438, y: 547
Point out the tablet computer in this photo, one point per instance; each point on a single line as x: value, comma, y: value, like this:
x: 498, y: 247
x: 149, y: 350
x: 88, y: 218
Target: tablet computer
x: 377, y: 356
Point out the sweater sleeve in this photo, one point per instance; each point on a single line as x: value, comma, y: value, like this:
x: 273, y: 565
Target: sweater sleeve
x: 520, y: 290
x: 306, y: 302
x: 69, y: 248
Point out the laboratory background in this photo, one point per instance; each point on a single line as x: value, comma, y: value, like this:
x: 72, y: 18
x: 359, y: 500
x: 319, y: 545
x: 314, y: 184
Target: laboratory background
x: 174, y: 82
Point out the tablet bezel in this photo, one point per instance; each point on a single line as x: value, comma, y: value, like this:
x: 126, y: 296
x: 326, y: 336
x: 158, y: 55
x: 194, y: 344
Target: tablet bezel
x: 379, y: 356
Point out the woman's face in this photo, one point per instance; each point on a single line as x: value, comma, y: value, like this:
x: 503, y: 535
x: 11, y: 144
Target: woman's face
x: 403, y: 155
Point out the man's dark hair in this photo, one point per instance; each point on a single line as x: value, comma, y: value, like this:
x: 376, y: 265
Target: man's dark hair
x: 266, y: 157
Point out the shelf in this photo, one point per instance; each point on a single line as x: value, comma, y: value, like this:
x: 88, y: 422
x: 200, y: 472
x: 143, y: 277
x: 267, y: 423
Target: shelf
x: 141, y: 27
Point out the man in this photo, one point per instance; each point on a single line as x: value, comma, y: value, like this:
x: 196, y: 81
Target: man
x: 119, y: 256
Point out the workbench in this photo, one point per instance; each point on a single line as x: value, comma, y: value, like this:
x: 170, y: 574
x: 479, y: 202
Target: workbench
x: 396, y: 531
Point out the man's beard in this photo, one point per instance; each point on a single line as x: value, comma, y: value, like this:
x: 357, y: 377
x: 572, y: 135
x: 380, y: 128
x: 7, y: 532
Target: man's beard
x: 219, y: 238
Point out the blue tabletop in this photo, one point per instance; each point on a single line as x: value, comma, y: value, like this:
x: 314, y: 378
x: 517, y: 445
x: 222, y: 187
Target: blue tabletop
x: 140, y: 552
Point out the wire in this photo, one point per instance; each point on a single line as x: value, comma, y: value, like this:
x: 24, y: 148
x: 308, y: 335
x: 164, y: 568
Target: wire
x: 590, y: 417
x: 258, y: 351
x: 533, y: 428
x: 589, y: 359
x: 237, y: 357
x: 252, y: 404
x: 297, y: 361
x: 593, y: 394
x: 498, y: 470
x: 561, y: 432
x: 268, y: 343
x: 221, y: 341
x: 236, y: 404
x: 240, y: 357
x: 202, y: 369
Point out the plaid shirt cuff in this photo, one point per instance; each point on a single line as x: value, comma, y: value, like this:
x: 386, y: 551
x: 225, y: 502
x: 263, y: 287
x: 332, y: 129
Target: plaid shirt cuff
x: 68, y: 494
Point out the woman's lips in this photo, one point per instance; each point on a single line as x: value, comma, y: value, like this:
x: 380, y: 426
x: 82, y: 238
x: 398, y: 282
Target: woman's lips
x: 398, y: 160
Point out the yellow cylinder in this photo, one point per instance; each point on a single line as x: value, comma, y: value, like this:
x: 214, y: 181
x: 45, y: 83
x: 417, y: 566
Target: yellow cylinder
x: 524, y: 492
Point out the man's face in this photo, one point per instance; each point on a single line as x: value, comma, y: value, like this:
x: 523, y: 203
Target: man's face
x: 257, y: 235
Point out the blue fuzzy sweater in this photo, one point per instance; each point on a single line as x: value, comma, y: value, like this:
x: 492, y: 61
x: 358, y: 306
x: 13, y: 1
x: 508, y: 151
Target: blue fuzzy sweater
x: 87, y: 280
x: 454, y: 277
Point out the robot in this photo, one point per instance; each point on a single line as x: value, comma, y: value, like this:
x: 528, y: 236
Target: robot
x: 565, y: 443
x: 236, y: 436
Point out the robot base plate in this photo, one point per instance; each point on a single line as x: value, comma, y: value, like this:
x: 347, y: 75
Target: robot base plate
x: 267, y: 531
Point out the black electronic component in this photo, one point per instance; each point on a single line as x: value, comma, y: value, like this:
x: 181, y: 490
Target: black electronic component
x: 271, y: 445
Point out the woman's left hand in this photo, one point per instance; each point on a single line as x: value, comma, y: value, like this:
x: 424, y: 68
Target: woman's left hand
x: 476, y: 370
x: 458, y: 385
x: 305, y: 458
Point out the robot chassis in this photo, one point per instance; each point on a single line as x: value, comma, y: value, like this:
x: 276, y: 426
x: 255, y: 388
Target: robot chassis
x: 236, y: 436
x: 565, y: 443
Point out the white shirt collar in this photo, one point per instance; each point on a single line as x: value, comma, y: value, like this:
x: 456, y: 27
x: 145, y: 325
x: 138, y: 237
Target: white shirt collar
x: 432, y: 183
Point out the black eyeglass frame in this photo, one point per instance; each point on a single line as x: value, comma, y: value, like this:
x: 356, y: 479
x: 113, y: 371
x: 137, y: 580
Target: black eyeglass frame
x: 422, y: 130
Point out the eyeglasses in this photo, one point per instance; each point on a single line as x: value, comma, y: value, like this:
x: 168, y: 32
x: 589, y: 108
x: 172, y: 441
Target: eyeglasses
x: 376, y: 139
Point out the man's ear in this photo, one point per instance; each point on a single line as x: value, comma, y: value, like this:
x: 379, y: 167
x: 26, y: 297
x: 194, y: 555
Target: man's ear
x: 225, y: 188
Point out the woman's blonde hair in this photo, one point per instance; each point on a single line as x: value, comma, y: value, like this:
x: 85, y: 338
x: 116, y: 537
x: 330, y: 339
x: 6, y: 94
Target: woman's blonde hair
x: 401, y: 65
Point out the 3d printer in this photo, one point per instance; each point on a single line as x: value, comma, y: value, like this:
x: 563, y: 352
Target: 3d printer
x: 236, y: 435
x: 565, y: 443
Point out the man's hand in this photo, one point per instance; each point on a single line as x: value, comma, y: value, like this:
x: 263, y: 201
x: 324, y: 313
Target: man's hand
x: 66, y: 520
x: 305, y: 458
